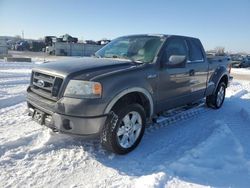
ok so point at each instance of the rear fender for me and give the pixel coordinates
(219, 74)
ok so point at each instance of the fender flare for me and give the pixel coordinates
(218, 81)
(127, 91)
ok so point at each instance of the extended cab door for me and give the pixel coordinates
(198, 68)
(174, 80)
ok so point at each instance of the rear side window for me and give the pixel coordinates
(195, 53)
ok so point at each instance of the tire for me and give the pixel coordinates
(216, 100)
(124, 129)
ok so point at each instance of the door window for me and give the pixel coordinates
(175, 46)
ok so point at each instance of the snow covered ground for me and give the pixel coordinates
(197, 147)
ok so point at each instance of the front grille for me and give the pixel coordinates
(45, 85)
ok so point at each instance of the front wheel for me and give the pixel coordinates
(123, 131)
(216, 100)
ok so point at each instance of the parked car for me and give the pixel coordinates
(239, 61)
(246, 62)
(236, 64)
(22, 46)
(129, 82)
(90, 42)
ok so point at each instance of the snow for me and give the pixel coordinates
(241, 70)
(195, 147)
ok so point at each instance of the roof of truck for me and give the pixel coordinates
(161, 35)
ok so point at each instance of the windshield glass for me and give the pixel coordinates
(135, 48)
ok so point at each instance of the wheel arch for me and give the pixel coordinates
(220, 74)
(138, 93)
(223, 77)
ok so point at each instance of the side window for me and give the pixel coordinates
(175, 46)
(195, 53)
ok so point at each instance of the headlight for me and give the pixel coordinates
(83, 89)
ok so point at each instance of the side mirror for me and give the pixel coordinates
(176, 61)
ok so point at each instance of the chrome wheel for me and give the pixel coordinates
(220, 96)
(129, 129)
(124, 128)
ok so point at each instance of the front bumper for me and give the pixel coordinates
(85, 126)
(69, 121)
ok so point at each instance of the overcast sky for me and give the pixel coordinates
(216, 22)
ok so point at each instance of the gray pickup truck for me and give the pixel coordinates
(128, 82)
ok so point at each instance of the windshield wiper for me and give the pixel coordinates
(97, 56)
(131, 59)
(124, 57)
(119, 57)
(138, 61)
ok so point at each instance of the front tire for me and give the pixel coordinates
(124, 129)
(216, 100)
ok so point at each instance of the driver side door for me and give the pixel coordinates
(174, 80)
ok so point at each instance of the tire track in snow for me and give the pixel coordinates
(181, 126)
(19, 142)
(238, 119)
(12, 109)
(4, 76)
(12, 90)
(16, 81)
(13, 100)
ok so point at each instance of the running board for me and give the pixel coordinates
(174, 114)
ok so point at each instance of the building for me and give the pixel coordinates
(75, 49)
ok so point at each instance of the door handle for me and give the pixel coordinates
(191, 72)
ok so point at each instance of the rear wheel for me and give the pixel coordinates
(123, 131)
(216, 100)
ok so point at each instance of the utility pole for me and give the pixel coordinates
(22, 34)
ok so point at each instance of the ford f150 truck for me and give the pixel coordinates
(128, 82)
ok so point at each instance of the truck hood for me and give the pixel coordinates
(87, 65)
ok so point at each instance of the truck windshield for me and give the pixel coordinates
(135, 48)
